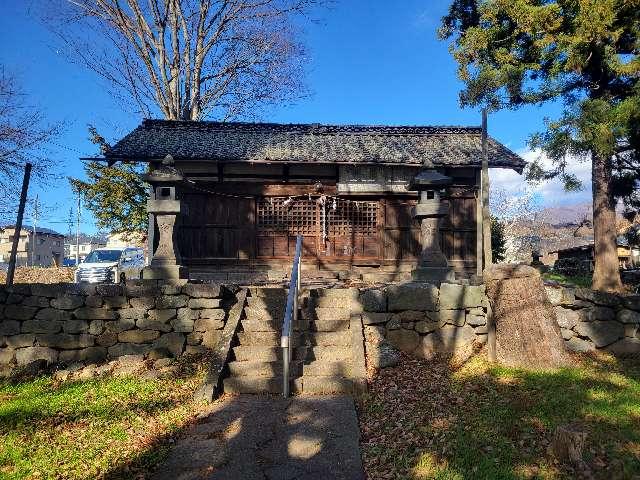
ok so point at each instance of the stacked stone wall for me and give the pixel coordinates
(590, 320)
(70, 323)
(422, 320)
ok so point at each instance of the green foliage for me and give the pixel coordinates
(89, 429)
(584, 53)
(498, 240)
(578, 281)
(116, 195)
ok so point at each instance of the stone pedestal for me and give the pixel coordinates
(166, 259)
(165, 207)
(432, 266)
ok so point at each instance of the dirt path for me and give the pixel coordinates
(251, 437)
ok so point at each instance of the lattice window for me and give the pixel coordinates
(298, 217)
(352, 217)
(276, 216)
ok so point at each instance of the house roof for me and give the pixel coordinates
(312, 143)
(621, 241)
(39, 230)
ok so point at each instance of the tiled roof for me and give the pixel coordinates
(39, 230)
(313, 143)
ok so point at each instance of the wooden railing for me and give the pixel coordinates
(290, 316)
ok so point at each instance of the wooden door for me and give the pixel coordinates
(216, 227)
(458, 229)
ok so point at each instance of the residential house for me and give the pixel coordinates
(47, 251)
(84, 249)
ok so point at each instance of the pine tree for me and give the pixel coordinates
(583, 53)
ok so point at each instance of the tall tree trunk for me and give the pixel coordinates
(606, 275)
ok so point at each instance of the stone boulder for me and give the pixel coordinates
(566, 317)
(597, 297)
(25, 356)
(412, 296)
(601, 333)
(625, 347)
(577, 344)
(404, 340)
(455, 297)
(374, 318)
(628, 316)
(373, 300)
(449, 339)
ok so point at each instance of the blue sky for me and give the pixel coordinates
(369, 63)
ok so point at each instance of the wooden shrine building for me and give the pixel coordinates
(237, 194)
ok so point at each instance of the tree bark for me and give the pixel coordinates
(606, 275)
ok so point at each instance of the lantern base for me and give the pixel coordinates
(162, 272)
(433, 274)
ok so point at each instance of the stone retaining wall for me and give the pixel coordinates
(422, 320)
(68, 323)
(591, 320)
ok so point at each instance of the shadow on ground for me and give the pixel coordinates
(261, 437)
(429, 420)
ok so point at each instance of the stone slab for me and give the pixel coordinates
(303, 437)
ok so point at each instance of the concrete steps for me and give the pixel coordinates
(322, 351)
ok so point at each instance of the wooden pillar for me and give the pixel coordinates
(486, 217)
(479, 232)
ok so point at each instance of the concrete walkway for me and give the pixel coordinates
(251, 437)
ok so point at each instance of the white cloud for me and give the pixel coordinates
(550, 193)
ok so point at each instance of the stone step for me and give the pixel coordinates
(267, 302)
(264, 314)
(329, 325)
(249, 325)
(340, 338)
(323, 385)
(325, 368)
(329, 302)
(263, 369)
(330, 353)
(271, 339)
(267, 354)
(326, 313)
(336, 293)
(268, 292)
(253, 384)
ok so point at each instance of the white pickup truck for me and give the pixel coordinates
(111, 265)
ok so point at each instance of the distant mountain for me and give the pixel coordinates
(567, 214)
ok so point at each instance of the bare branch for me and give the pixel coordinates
(190, 58)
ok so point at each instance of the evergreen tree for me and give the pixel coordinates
(583, 53)
(116, 195)
(498, 240)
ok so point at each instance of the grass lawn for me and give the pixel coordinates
(579, 281)
(111, 427)
(428, 420)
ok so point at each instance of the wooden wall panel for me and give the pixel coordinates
(216, 227)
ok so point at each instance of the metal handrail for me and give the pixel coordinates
(290, 315)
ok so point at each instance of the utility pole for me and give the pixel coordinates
(35, 232)
(18, 225)
(78, 231)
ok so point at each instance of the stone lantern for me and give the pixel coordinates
(433, 265)
(165, 207)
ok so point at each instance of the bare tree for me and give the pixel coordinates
(523, 221)
(189, 59)
(24, 136)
